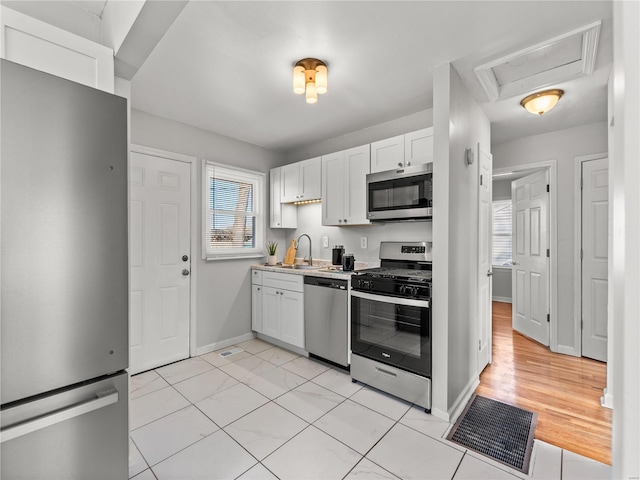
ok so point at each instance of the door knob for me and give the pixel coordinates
(185, 272)
(185, 258)
(489, 273)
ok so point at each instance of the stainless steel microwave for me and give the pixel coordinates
(400, 194)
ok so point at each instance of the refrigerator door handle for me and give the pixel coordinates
(98, 401)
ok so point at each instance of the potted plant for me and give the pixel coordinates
(272, 247)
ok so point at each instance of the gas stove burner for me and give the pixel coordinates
(397, 273)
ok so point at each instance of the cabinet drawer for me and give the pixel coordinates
(284, 281)
(256, 277)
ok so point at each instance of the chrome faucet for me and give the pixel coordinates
(298, 245)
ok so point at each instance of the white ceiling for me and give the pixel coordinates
(226, 66)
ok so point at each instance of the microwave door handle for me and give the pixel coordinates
(409, 302)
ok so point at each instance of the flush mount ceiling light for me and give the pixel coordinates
(541, 102)
(310, 77)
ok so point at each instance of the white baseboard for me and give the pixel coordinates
(607, 399)
(224, 343)
(462, 400)
(281, 344)
(502, 299)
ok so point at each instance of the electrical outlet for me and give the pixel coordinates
(363, 242)
(325, 242)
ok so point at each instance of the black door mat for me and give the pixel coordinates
(497, 430)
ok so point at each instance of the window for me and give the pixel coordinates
(502, 233)
(233, 224)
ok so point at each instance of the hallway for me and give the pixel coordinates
(563, 390)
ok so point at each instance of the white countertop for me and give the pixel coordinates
(322, 271)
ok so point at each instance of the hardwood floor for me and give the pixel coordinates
(564, 391)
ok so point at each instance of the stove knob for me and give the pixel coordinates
(414, 291)
(403, 289)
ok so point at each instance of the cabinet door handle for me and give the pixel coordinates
(408, 163)
(400, 164)
(345, 220)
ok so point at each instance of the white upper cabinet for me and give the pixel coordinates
(282, 215)
(301, 181)
(418, 147)
(387, 154)
(333, 188)
(406, 150)
(38, 45)
(344, 187)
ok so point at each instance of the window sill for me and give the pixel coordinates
(234, 257)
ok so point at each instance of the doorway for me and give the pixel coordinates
(160, 263)
(542, 311)
(592, 254)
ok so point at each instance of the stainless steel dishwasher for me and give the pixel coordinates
(326, 319)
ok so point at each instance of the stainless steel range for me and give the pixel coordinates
(391, 322)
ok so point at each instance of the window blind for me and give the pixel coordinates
(501, 233)
(233, 224)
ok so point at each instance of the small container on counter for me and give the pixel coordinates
(336, 256)
(348, 262)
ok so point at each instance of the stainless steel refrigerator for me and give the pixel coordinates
(64, 287)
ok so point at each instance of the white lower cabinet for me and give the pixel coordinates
(256, 308)
(278, 307)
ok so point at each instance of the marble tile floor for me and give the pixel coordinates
(266, 413)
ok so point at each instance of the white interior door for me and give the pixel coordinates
(485, 166)
(530, 273)
(595, 228)
(159, 260)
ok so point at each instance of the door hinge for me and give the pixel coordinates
(581, 254)
(548, 253)
(581, 324)
(479, 345)
(548, 318)
(581, 183)
(480, 179)
(547, 187)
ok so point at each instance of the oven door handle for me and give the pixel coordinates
(409, 302)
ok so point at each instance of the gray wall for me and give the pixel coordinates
(562, 146)
(223, 295)
(455, 240)
(310, 222)
(401, 125)
(501, 188)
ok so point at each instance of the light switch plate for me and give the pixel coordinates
(325, 241)
(363, 242)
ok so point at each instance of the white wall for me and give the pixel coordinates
(223, 295)
(409, 123)
(459, 123)
(562, 146)
(625, 262)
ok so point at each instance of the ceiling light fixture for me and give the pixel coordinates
(310, 77)
(541, 102)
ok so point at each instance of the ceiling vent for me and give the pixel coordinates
(561, 58)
